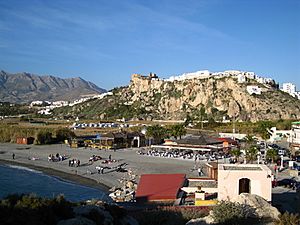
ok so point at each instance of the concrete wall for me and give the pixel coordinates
(228, 181)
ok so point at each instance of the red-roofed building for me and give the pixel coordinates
(159, 187)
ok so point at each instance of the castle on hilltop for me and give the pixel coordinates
(241, 76)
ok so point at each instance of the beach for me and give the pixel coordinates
(36, 157)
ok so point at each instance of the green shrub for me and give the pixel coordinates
(231, 213)
(64, 134)
(44, 137)
(170, 215)
(288, 219)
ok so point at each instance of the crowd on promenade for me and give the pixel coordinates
(187, 154)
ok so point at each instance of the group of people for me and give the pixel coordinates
(56, 157)
(94, 158)
(100, 169)
(180, 154)
(74, 162)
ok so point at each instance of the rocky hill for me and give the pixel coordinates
(211, 97)
(26, 87)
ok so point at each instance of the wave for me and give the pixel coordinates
(24, 168)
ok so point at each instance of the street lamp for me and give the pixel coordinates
(281, 162)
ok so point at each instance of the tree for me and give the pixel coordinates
(249, 139)
(157, 132)
(236, 153)
(177, 130)
(272, 154)
(263, 127)
(64, 134)
(187, 120)
(201, 114)
(251, 153)
(44, 137)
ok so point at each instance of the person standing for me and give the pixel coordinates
(13, 155)
(199, 172)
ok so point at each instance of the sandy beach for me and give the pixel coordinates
(87, 173)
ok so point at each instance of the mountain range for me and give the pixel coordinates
(27, 87)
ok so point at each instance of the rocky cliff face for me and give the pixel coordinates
(26, 87)
(212, 96)
(152, 98)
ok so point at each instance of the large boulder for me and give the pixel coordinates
(76, 221)
(201, 221)
(263, 209)
(128, 220)
(88, 210)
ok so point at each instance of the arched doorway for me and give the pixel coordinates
(244, 185)
(135, 143)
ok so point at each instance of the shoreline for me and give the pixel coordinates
(77, 179)
(87, 173)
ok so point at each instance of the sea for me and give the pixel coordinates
(19, 179)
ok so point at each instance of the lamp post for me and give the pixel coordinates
(281, 162)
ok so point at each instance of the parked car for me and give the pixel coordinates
(288, 182)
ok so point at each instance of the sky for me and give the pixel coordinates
(106, 41)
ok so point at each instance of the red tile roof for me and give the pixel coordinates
(159, 187)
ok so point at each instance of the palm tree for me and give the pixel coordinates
(251, 153)
(177, 130)
(249, 139)
(236, 153)
(272, 154)
(157, 132)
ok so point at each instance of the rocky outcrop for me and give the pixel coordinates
(26, 87)
(254, 206)
(100, 213)
(218, 96)
(263, 209)
(76, 221)
(126, 190)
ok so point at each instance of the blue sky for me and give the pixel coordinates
(106, 41)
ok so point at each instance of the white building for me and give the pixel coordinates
(45, 111)
(36, 103)
(241, 78)
(198, 75)
(235, 179)
(278, 135)
(60, 103)
(250, 75)
(294, 138)
(289, 88)
(252, 89)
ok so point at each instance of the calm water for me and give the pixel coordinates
(18, 179)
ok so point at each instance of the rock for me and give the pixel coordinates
(85, 210)
(261, 206)
(130, 184)
(76, 221)
(113, 189)
(201, 221)
(128, 220)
